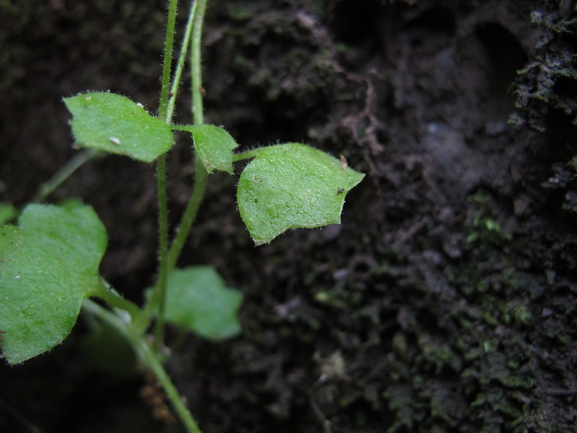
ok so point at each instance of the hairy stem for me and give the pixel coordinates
(167, 61)
(200, 181)
(200, 174)
(195, 60)
(162, 249)
(161, 177)
(181, 59)
(154, 300)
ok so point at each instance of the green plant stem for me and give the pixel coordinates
(162, 250)
(148, 358)
(200, 173)
(196, 62)
(111, 296)
(64, 173)
(81, 158)
(200, 181)
(109, 317)
(181, 59)
(151, 361)
(152, 303)
(161, 177)
(167, 61)
(245, 155)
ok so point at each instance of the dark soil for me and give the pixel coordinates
(444, 302)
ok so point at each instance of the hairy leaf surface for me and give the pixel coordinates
(290, 186)
(116, 124)
(214, 145)
(48, 265)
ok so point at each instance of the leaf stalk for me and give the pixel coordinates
(111, 296)
(245, 155)
(196, 63)
(200, 173)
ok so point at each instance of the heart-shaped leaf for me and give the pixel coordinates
(197, 299)
(48, 265)
(290, 186)
(214, 145)
(116, 124)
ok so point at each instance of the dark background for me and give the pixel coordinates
(443, 303)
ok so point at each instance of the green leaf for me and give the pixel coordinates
(7, 212)
(198, 299)
(118, 125)
(71, 203)
(214, 145)
(48, 265)
(290, 186)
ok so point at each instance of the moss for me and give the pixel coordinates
(548, 84)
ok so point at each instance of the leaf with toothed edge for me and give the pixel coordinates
(48, 266)
(291, 186)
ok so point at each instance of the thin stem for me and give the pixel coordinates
(148, 358)
(200, 181)
(111, 296)
(155, 299)
(200, 174)
(181, 60)
(245, 155)
(64, 173)
(152, 303)
(161, 177)
(195, 60)
(109, 317)
(162, 249)
(167, 62)
(151, 361)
